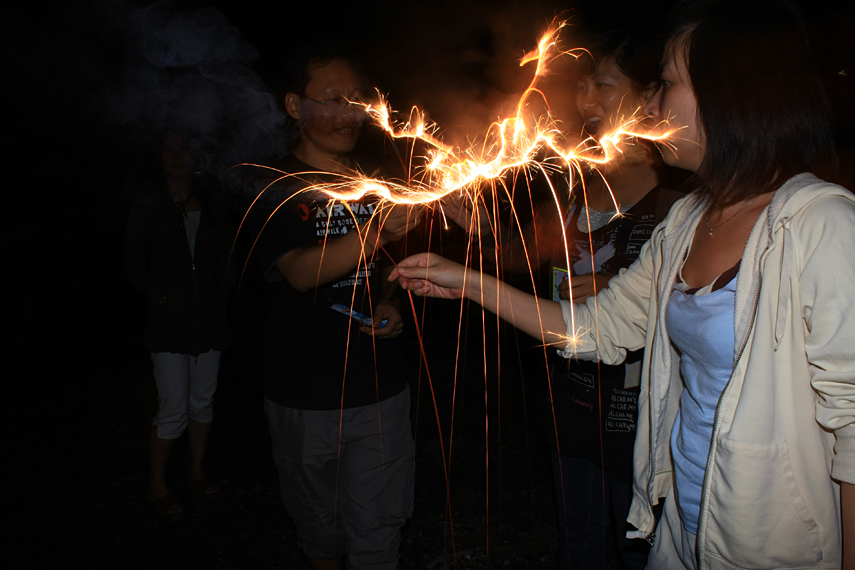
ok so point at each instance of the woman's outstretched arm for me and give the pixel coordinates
(430, 275)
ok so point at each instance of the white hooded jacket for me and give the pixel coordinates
(784, 429)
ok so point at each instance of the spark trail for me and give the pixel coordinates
(511, 145)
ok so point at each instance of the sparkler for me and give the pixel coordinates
(511, 145)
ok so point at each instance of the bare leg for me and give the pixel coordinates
(203, 383)
(159, 451)
(325, 563)
(197, 433)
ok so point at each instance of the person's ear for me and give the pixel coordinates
(292, 105)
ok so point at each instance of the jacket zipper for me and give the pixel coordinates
(651, 536)
(716, 419)
(192, 260)
(192, 270)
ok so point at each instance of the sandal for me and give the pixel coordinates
(166, 506)
(204, 487)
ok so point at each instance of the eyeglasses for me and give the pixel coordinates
(338, 105)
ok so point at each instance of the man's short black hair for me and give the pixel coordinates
(298, 73)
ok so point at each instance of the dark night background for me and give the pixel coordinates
(79, 392)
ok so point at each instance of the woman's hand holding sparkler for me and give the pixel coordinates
(431, 275)
(583, 286)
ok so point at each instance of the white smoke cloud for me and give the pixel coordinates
(187, 70)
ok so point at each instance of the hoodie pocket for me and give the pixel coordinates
(757, 517)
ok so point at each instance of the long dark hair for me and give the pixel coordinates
(762, 106)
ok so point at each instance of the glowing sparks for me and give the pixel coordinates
(572, 341)
(511, 143)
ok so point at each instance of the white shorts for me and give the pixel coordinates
(185, 390)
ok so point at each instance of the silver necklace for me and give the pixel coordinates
(714, 228)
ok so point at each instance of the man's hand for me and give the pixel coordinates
(583, 286)
(308, 267)
(457, 207)
(393, 222)
(394, 322)
(430, 275)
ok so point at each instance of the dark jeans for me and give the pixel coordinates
(585, 512)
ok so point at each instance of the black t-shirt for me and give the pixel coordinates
(312, 357)
(595, 410)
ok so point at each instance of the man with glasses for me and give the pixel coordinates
(321, 105)
(336, 397)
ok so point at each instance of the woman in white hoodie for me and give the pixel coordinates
(741, 300)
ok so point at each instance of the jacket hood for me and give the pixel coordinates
(795, 194)
(788, 200)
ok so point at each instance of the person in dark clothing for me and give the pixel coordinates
(335, 395)
(590, 415)
(177, 245)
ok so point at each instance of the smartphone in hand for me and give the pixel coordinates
(359, 317)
